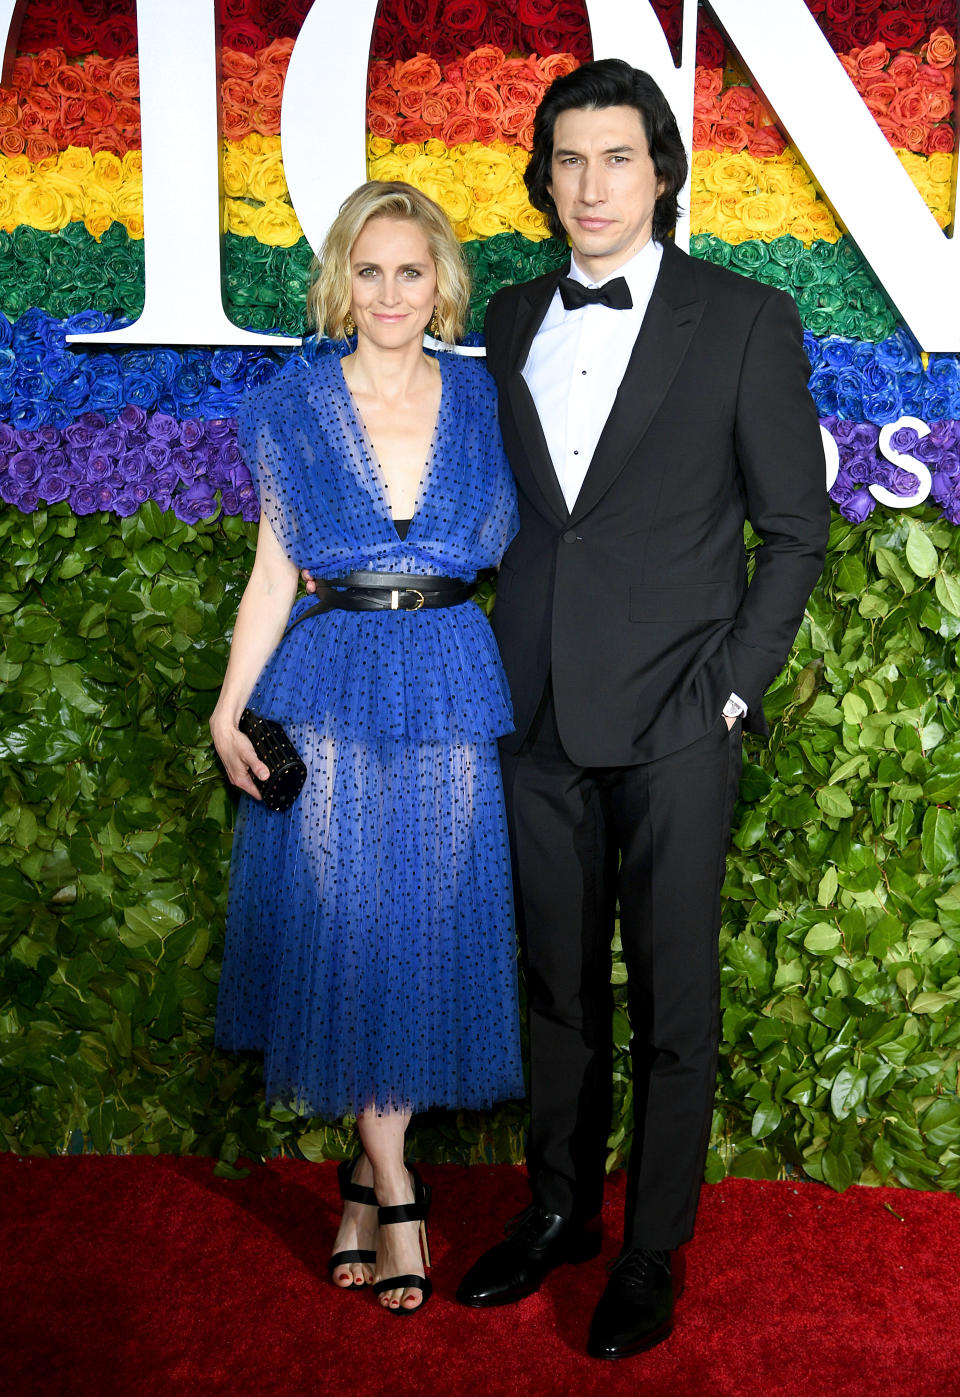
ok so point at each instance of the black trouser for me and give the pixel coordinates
(652, 838)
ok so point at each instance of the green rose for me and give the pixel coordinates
(786, 250)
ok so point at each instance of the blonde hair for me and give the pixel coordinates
(329, 294)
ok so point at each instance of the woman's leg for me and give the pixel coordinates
(398, 1246)
(358, 1232)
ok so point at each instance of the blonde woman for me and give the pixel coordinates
(370, 942)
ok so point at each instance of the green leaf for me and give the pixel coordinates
(827, 887)
(834, 801)
(848, 1091)
(822, 939)
(947, 587)
(937, 842)
(920, 552)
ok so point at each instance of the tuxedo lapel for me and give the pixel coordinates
(532, 307)
(668, 327)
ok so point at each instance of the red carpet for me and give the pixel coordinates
(150, 1276)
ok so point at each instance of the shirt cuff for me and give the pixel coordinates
(734, 707)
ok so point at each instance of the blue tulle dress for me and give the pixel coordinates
(370, 947)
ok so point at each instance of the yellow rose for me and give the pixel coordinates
(408, 150)
(388, 167)
(731, 230)
(822, 220)
(75, 164)
(943, 217)
(134, 225)
(276, 224)
(448, 193)
(803, 229)
(487, 220)
(702, 161)
(764, 215)
(133, 164)
(17, 171)
(487, 168)
(128, 200)
(940, 168)
(44, 207)
(96, 224)
(108, 170)
(519, 158)
(531, 223)
(267, 180)
(732, 172)
(435, 149)
(703, 209)
(377, 146)
(236, 170)
(238, 218)
(8, 212)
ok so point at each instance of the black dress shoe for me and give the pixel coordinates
(636, 1309)
(538, 1242)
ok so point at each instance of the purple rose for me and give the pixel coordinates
(190, 506)
(184, 464)
(83, 500)
(134, 465)
(53, 487)
(132, 418)
(903, 482)
(858, 507)
(125, 503)
(191, 432)
(29, 500)
(229, 501)
(10, 488)
(905, 439)
(219, 429)
(8, 438)
(81, 434)
(944, 433)
(157, 453)
(71, 472)
(99, 467)
(163, 427)
(111, 441)
(25, 467)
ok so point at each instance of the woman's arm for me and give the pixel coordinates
(264, 608)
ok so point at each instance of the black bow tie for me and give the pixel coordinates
(615, 294)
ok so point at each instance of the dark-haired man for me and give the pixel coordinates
(649, 405)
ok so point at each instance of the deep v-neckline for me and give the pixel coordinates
(367, 444)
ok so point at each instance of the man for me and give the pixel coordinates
(644, 422)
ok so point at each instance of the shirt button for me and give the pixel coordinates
(570, 536)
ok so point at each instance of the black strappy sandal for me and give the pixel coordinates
(352, 1193)
(409, 1212)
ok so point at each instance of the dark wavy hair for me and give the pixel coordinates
(610, 82)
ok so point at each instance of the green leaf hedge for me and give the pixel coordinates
(840, 945)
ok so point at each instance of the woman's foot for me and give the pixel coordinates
(398, 1246)
(358, 1232)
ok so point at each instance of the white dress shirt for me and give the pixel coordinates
(575, 367)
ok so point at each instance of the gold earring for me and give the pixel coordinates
(434, 327)
(349, 327)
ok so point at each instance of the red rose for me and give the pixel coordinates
(76, 35)
(841, 12)
(463, 17)
(711, 46)
(574, 34)
(537, 12)
(243, 36)
(862, 30)
(234, 9)
(39, 31)
(900, 30)
(444, 47)
(502, 30)
(117, 37)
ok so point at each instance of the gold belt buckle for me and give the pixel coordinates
(395, 599)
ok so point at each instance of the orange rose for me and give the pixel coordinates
(236, 64)
(9, 114)
(766, 141)
(381, 124)
(892, 131)
(460, 128)
(522, 69)
(488, 130)
(128, 114)
(413, 129)
(702, 133)
(941, 140)
(941, 48)
(915, 135)
(43, 102)
(879, 92)
(939, 104)
(276, 56)
(72, 111)
(523, 92)
(873, 58)
(266, 119)
(11, 141)
(101, 109)
(42, 68)
(40, 147)
(421, 73)
(98, 70)
(235, 123)
(379, 75)
(936, 78)
(267, 86)
(434, 110)
(707, 83)
(69, 82)
(556, 65)
(125, 78)
(411, 101)
(730, 135)
(515, 119)
(485, 101)
(524, 136)
(705, 107)
(739, 103)
(235, 93)
(482, 63)
(848, 61)
(31, 121)
(452, 97)
(909, 107)
(383, 101)
(904, 69)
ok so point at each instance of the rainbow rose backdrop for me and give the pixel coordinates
(127, 528)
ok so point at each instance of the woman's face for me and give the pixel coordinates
(393, 282)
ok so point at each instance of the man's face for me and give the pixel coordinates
(604, 185)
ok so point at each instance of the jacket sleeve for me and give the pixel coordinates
(781, 460)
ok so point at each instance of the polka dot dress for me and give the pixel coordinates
(370, 947)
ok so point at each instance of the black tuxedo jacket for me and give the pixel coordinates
(637, 601)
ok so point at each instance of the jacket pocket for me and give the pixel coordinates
(696, 601)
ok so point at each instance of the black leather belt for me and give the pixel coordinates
(386, 591)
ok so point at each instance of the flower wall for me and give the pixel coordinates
(129, 519)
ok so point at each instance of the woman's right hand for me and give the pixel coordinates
(238, 755)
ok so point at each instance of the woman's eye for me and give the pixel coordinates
(366, 271)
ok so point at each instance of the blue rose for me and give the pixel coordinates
(140, 389)
(883, 405)
(899, 353)
(87, 322)
(227, 364)
(837, 351)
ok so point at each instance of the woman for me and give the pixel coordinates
(370, 944)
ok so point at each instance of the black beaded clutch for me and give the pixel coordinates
(275, 750)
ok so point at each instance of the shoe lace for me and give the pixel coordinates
(635, 1265)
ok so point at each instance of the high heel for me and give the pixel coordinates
(352, 1193)
(409, 1212)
